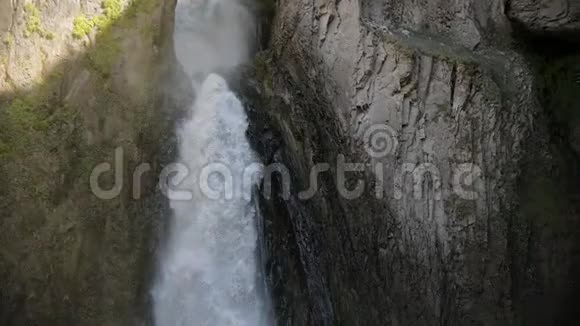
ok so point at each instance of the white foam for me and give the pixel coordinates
(208, 274)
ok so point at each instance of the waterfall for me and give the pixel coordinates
(208, 272)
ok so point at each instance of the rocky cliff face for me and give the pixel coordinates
(469, 212)
(560, 18)
(79, 79)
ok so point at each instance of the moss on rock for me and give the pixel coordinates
(104, 56)
(7, 40)
(34, 24)
(82, 26)
(63, 248)
(115, 14)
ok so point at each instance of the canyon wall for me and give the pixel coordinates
(78, 80)
(475, 220)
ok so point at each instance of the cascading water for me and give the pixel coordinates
(208, 273)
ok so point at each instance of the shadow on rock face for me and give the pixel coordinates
(547, 18)
(66, 256)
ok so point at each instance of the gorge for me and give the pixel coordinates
(469, 210)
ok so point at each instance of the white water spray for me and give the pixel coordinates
(208, 273)
(212, 35)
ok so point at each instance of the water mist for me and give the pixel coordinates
(208, 271)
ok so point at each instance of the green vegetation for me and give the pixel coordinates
(7, 40)
(33, 23)
(35, 120)
(101, 59)
(52, 133)
(32, 121)
(112, 10)
(23, 115)
(103, 56)
(140, 6)
(82, 26)
(114, 15)
(4, 149)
